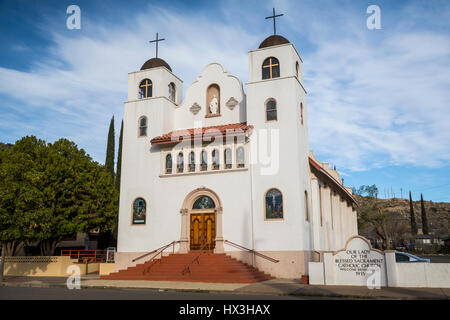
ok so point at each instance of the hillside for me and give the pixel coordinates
(438, 215)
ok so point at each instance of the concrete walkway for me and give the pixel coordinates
(271, 287)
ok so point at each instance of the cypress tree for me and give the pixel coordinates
(109, 162)
(119, 159)
(412, 216)
(424, 216)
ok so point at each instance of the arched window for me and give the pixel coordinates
(169, 163)
(204, 202)
(227, 158)
(192, 161)
(271, 110)
(297, 69)
(301, 113)
(240, 157)
(139, 211)
(145, 88)
(270, 68)
(142, 126)
(215, 159)
(180, 162)
(306, 206)
(172, 91)
(274, 205)
(204, 161)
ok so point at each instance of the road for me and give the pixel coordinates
(25, 293)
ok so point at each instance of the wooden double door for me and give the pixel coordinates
(203, 231)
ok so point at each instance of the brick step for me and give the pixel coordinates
(191, 278)
(211, 268)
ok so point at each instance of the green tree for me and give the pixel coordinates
(21, 198)
(51, 191)
(109, 161)
(424, 216)
(412, 216)
(119, 159)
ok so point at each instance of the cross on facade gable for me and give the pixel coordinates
(274, 16)
(157, 40)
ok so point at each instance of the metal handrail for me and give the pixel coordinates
(253, 251)
(161, 248)
(85, 255)
(187, 268)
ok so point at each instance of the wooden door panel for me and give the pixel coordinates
(202, 230)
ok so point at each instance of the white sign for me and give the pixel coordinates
(359, 264)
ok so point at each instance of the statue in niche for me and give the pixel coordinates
(214, 105)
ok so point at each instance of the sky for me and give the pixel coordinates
(378, 99)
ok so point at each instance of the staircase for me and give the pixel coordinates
(185, 267)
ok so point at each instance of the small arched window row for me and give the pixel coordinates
(273, 205)
(142, 123)
(145, 89)
(203, 157)
(270, 68)
(139, 214)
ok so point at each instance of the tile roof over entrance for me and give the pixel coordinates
(204, 133)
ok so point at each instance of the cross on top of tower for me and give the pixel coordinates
(157, 40)
(274, 16)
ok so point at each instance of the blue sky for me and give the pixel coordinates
(378, 100)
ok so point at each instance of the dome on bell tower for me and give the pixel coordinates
(273, 40)
(154, 63)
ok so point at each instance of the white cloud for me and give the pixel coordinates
(374, 98)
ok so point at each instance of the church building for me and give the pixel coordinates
(226, 169)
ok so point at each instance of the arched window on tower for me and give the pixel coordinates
(270, 68)
(204, 161)
(271, 110)
(143, 126)
(306, 206)
(180, 162)
(145, 89)
(297, 69)
(169, 163)
(228, 160)
(192, 161)
(172, 92)
(215, 159)
(240, 157)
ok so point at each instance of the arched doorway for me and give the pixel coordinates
(201, 224)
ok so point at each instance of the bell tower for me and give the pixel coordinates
(276, 107)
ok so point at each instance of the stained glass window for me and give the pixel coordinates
(215, 159)
(192, 161)
(204, 202)
(180, 162)
(204, 160)
(139, 211)
(240, 157)
(145, 88)
(274, 204)
(228, 159)
(169, 163)
(271, 110)
(270, 68)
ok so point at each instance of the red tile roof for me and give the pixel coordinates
(227, 130)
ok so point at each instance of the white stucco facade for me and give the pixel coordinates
(276, 156)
